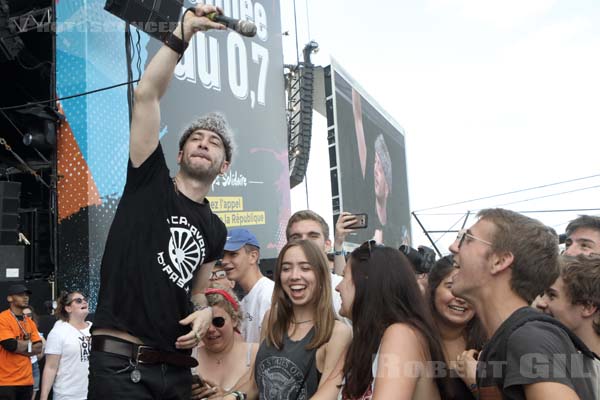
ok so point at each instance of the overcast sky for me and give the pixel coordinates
(494, 96)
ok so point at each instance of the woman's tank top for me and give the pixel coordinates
(287, 374)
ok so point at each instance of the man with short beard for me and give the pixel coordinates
(19, 340)
(161, 246)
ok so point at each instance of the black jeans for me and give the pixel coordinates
(110, 378)
(16, 392)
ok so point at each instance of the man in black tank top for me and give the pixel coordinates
(161, 246)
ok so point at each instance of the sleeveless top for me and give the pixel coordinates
(287, 374)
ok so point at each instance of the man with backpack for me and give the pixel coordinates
(505, 260)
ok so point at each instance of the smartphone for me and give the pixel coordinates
(196, 379)
(362, 220)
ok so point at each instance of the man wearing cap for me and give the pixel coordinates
(242, 255)
(19, 340)
(161, 246)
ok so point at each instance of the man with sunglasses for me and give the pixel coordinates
(19, 340)
(505, 260)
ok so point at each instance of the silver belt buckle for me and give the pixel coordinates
(140, 349)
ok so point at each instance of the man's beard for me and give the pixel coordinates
(200, 172)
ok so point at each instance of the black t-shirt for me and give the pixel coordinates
(534, 351)
(157, 241)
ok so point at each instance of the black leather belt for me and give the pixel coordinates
(140, 353)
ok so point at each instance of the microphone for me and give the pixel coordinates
(241, 26)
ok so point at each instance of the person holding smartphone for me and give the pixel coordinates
(223, 357)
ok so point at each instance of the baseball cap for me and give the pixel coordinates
(17, 289)
(238, 237)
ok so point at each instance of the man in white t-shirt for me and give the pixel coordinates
(240, 261)
(307, 224)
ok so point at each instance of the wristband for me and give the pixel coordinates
(239, 395)
(175, 44)
(339, 252)
(473, 388)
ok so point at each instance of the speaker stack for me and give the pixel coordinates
(12, 256)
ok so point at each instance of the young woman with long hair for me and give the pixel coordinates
(302, 341)
(459, 329)
(395, 348)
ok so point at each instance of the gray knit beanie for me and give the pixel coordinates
(214, 122)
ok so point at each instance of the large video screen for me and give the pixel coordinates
(371, 164)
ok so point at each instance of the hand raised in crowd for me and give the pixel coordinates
(345, 220)
(466, 366)
(200, 321)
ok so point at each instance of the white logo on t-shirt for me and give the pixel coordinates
(186, 251)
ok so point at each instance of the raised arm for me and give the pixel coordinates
(145, 122)
(345, 220)
(360, 133)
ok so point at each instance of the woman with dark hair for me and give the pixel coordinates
(302, 341)
(67, 350)
(394, 336)
(458, 326)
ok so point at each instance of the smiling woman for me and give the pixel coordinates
(67, 350)
(459, 329)
(302, 341)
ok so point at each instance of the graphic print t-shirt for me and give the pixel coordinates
(73, 346)
(158, 239)
(254, 306)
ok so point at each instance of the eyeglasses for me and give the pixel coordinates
(78, 300)
(463, 233)
(220, 274)
(218, 322)
(27, 314)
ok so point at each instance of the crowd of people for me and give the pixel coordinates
(503, 317)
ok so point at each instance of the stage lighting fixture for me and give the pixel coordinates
(34, 139)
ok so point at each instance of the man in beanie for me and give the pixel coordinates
(19, 340)
(161, 246)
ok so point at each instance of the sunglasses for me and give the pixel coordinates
(78, 300)
(464, 233)
(221, 274)
(218, 322)
(367, 248)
